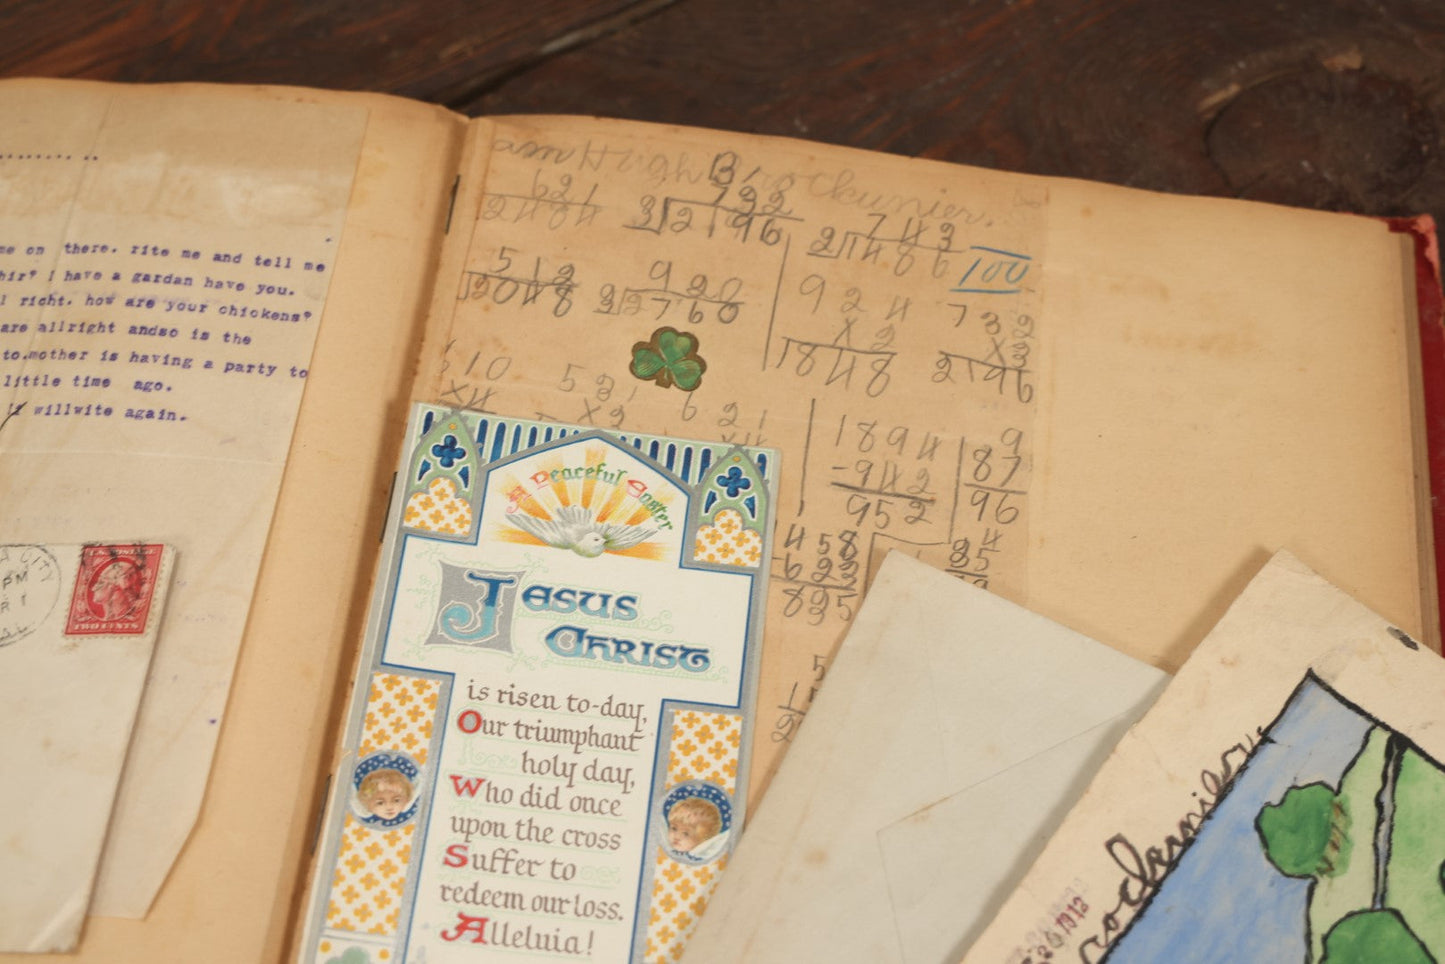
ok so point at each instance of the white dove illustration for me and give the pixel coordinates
(575, 529)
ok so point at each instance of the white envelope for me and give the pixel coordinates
(78, 625)
(952, 734)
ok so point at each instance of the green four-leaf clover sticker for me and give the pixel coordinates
(670, 358)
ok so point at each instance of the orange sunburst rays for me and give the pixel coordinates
(601, 489)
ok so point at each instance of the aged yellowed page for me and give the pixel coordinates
(1224, 376)
(381, 170)
(1107, 404)
(164, 276)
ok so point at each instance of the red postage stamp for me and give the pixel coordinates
(113, 590)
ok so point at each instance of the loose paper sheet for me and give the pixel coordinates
(78, 625)
(162, 274)
(546, 750)
(1042, 386)
(1283, 800)
(952, 733)
(247, 858)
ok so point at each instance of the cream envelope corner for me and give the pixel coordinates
(78, 624)
(944, 705)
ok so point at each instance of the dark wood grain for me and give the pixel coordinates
(1334, 105)
(439, 52)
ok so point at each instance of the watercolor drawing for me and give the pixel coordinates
(1328, 847)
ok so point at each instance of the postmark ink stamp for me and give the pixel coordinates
(29, 590)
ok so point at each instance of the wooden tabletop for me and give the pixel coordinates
(1333, 104)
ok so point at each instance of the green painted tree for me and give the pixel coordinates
(1374, 937)
(1389, 905)
(1306, 834)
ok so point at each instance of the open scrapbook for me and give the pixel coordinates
(218, 306)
